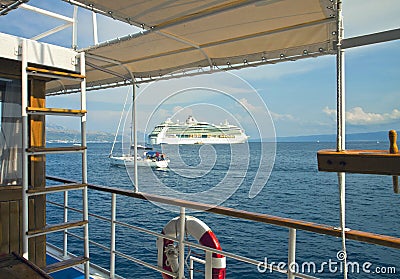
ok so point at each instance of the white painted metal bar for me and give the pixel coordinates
(95, 34)
(341, 131)
(135, 151)
(75, 30)
(90, 241)
(191, 265)
(25, 156)
(208, 267)
(292, 253)
(65, 240)
(84, 164)
(51, 31)
(182, 221)
(46, 13)
(112, 244)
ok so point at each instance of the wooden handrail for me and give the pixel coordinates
(56, 110)
(53, 72)
(361, 236)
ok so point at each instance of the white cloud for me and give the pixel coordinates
(250, 107)
(329, 111)
(281, 117)
(357, 116)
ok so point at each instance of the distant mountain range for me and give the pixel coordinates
(373, 136)
(57, 133)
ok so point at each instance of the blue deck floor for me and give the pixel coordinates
(69, 273)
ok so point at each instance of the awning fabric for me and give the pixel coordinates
(206, 35)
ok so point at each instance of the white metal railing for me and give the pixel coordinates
(291, 224)
(181, 244)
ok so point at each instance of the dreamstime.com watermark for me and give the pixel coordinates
(331, 266)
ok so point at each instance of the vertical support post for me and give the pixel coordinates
(135, 153)
(112, 245)
(182, 221)
(25, 158)
(84, 163)
(75, 28)
(208, 266)
(341, 124)
(292, 253)
(95, 35)
(65, 246)
(191, 266)
(341, 105)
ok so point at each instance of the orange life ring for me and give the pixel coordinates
(202, 233)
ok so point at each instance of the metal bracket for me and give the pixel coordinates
(18, 50)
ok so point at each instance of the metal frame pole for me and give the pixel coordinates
(84, 164)
(25, 142)
(65, 246)
(75, 28)
(112, 244)
(182, 221)
(135, 153)
(292, 254)
(95, 34)
(208, 265)
(341, 125)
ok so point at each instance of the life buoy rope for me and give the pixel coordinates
(202, 233)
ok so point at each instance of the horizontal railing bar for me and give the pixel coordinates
(156, 268)
(367, 237)
(80, 211)
(90, 241)
(197, 260)
(146, 231)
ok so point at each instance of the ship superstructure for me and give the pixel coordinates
(195, 132)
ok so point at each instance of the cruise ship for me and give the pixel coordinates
(196, 132)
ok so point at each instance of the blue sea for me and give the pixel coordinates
(294, 189)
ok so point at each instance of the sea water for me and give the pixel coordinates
(295, 189)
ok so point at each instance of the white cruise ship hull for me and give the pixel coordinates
(176, 140)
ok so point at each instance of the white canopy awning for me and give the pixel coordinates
(206, 35)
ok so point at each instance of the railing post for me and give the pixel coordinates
(25, 142)
(182, 221)
(292, 253)
(191, 267)
(65, 246)
(208, 265)
(112, 245)
(84, 164)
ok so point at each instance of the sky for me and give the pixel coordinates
(299, 96)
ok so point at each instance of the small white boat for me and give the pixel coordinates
(150, 159)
